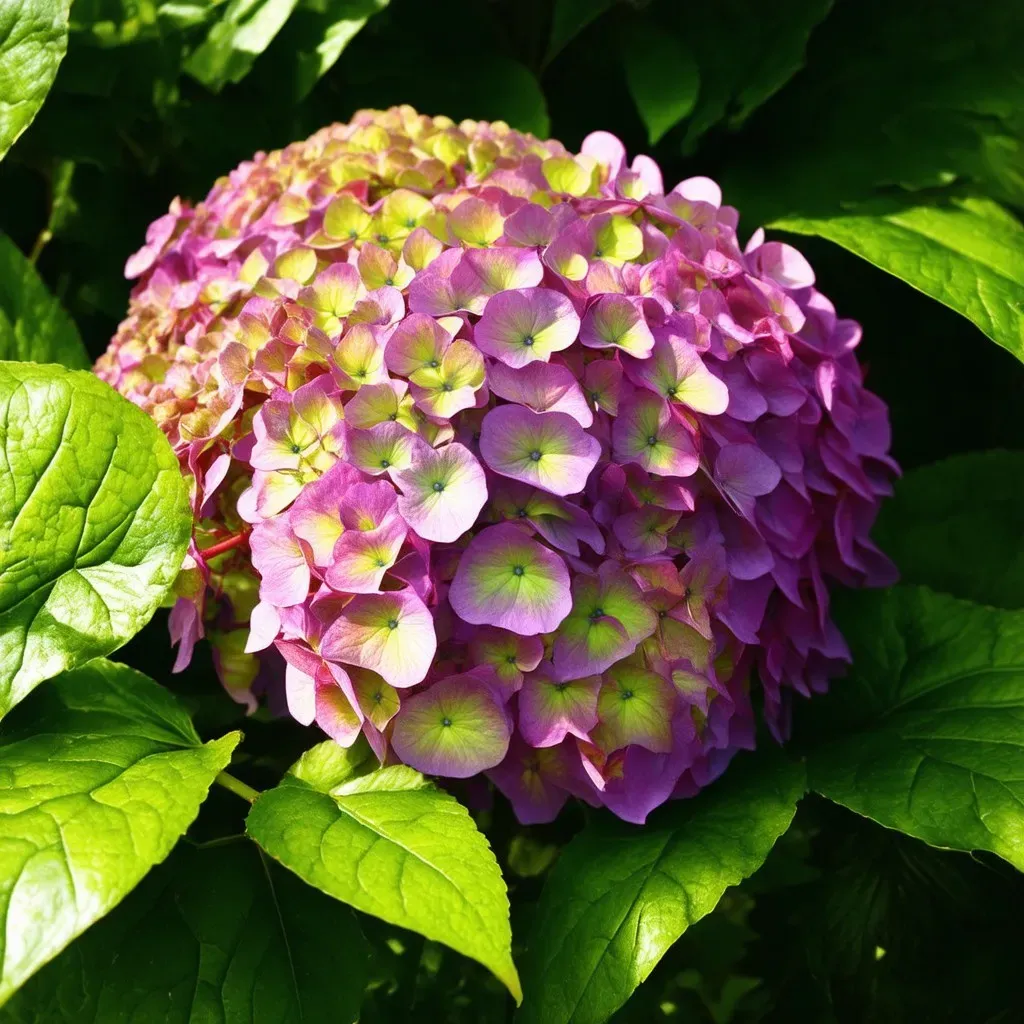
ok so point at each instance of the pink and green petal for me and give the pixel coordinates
(452, 387)
(454, 728)
(644, 532)
(617, 321)
(522, 325)
(387, 402)
(362, 557)
(602, 383)
(302, 667)
(264, 626)
(476, 222)
(391, 634)
(648, 433)
(609, 619)
(549, 450)
(445, 288)
(675, 371)
(334, 713)
(501, 269)
(369, 506)
(359, 358)
(379, 269)
(377, 700)
(542, 387)
(418, 342)
(507, 580)
(332, 296)
(635, 706)
(385, 448)
(509, 654)
(536, 782)
(421, 248)
(551, 709)
(279, 558)
(530, 226)
(443, 492)
(283, 438)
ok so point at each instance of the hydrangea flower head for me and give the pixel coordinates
(504, 457)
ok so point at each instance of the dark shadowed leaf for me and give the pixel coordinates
(317, 34)
(621, 895)
(391, 844)
(217, 933)
(927, 734)
(102, 773)
(912, 95)
(766, 48)
(957, 525)
(662, 75)
(94, 522)
(33, 326)
(569, 18)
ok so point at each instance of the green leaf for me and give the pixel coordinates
(317, 34)
(969, 255)
(94, 522)
(662, 76)
(568, 19)
(218, 933)
(390, 844)
(929, 94)
(927, 734)
(33, 41)
(620, 895)
(956, 526)
(766, 48)
(33, 326)
(245, 30)
(505, 90)
(102, 773)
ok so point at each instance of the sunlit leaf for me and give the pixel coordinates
(102, 773)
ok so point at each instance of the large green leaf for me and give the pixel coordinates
(33, 41)
(662, 76)
(568, 19)
(766, 48)
(391, 844)
(94, 522)
(968, 254)
(621, 895)
(216, 934)
(927, 94)
(33, 326)
(102, 773)
(957, 525)
(927, 734)
(245, 30)
(317, 34)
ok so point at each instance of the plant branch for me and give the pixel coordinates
(237, 786)
(225, 545)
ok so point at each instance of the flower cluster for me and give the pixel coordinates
(505, 458)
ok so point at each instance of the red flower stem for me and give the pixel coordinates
(225, 545)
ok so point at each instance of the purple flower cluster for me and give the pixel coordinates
(503, 457)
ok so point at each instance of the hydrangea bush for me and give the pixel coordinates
(511, 460)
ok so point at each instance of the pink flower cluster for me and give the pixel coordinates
(503, 457)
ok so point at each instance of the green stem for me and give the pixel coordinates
(237, 786)
(42, 238)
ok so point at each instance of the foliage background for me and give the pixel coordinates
(796, 109)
